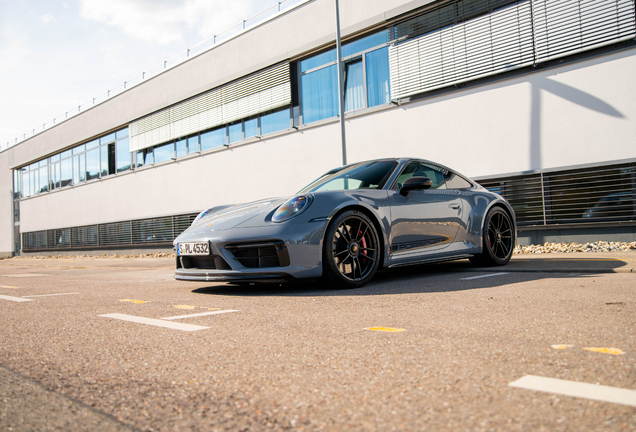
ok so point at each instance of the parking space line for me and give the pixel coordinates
(198, 314)
(485, 276)
(155, 322)
(15, 299)
(8, 286)
(577, 389)
(48, 295)
(386, 329)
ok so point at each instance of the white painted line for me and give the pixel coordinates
(15, 299)
(484, 276)
(155, 322)
(577, 389)
(48, 295)
(198, 315)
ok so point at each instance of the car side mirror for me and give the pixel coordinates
(415, 183)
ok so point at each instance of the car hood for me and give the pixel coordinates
(248, 215)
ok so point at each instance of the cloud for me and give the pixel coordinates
(169, 21)
(47, 18)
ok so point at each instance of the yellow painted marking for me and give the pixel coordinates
(386, 329)
(134, 301)
(614, 351)
(564, 346)
(184, 307)
(8, 286)
(211, 308)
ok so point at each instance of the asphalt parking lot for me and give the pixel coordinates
(119, 345)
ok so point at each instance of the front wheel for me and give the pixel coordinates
(351, 250)
(498, 239)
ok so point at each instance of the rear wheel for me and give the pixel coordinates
(350, 253)
(498, 239)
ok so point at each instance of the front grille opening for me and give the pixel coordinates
(209, 262)
(259, 255)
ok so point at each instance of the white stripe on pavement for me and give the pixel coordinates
(48, 295)
(15, 299)
(577, 389)
(198, 314)
(484, 276)
(155, 322)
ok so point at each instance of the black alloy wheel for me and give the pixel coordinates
(498, 239)
(351, 250)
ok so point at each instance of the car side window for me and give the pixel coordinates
(456, 182)
(419, 169)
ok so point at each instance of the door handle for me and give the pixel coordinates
(454, 206)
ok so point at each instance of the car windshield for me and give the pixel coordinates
(367, 175)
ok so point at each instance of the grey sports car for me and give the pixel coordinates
(349, 223)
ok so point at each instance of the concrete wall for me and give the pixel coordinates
(575, 114)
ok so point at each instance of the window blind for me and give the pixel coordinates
(565, 27)
(513, 36)
(263, 91)
(495, 42)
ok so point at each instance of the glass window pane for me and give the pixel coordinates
(193, 144)
(122, 153)
(66, 154)
(56, 176)
(67, 172)
(354, 86)
(275, 121)
(92, 144)
(112, 163)
(82, 167)
(35, 165)
(121, 133)
(16, 184)
(365, 43)
(318, 60)
(44, 179)
(378, 82)
(107, 139)
(182, 147)
(79, 149)
(104, 160)
(43, 163)
(25, 184)
(55, 158)
(149, 156)
(140, 158)
(236, 132)
(319, 94)
(76, 170)
(164, 152)
(35, 178)
(92, 164)
(251, 127)
(214, 138)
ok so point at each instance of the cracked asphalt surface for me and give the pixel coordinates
(301, 357)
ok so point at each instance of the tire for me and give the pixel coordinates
(498, 239)
(350, 260)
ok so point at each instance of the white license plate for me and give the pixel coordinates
(193, 248)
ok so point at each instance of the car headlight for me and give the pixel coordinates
(200, 215)
(291, 208)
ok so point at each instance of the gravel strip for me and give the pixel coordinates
(599, 246)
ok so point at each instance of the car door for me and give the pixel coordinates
(424, 222)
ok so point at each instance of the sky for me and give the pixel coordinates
(56, 55)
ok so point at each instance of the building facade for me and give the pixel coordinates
(535, 99)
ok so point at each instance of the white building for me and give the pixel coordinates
(535, 99)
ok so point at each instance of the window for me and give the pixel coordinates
(164, 152)
(275, 121)
(122, 155)
(235, 131)
(214, 138)
(251, 127)
(193, 143)
(182, 147)
(319, 78)
(441, 177)
(371, 175)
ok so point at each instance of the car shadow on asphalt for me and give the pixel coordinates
(441, 277)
